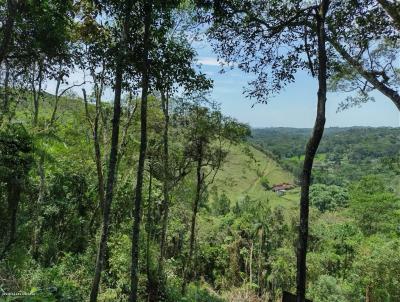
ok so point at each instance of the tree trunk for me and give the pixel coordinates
(164, 103)
(37, 93)
(14, 194)
(110, 183)
(53, 115)
(311, 150)
(142, 153)
(6, 91)
(96, 145)
(7, 29)
(38, 225)
(199, 183)
(149, 227)
(251, 263)
(260, 262)
(165, 205)
(97, 152)
(368, 295)
(112, 164)
(13, 198)
(124, 139)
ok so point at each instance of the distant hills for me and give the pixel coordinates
(287, 142)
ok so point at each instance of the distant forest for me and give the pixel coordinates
(357, 143)
(345, 154)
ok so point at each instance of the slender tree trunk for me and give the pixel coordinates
(42, 189)
(148, 229)
(97, 152)
(14, 194)
(53, 115)
(166, 186)
(251, 263)
(110, 183)
(6, 90)
(260, 265)
(124, 139)
(199, 183)
(368, 295)
(142, 154)
(8, 29)
(13, 198)
(37, 93)
(311, 150)
(112, 164)
(97, 148)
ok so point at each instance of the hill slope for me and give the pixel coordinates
(243, 172)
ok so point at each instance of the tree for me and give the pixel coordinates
(328, 198)
(377, 261)
(42, 46)
(374, 206)
(8, 27)
(170, 65)
(254, 41)
(148, 20)
(174, 70)
(123, 13)
(15, 163)
(207, 132)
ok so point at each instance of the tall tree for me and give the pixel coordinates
(175, 70)
(124, 13)
(7, 28)
(15, 163)
(208, 133)
(252, 34)
(147, 20)
(311, 150)
(42, 44)
(171, 66)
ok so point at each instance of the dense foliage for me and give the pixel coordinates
(345, 154)
(155, 195)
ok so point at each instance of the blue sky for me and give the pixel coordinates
(295, 106)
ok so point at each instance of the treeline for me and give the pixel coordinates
(345, 154)
(356, 143)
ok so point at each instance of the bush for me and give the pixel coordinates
(327, 289)
(328, 198)
(265, 183)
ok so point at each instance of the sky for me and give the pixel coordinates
(295, 106)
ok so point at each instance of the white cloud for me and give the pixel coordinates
(209, 61)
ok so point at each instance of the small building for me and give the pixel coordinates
(281, 189)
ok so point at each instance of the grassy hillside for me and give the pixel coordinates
(243, 172)
(240, 175)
